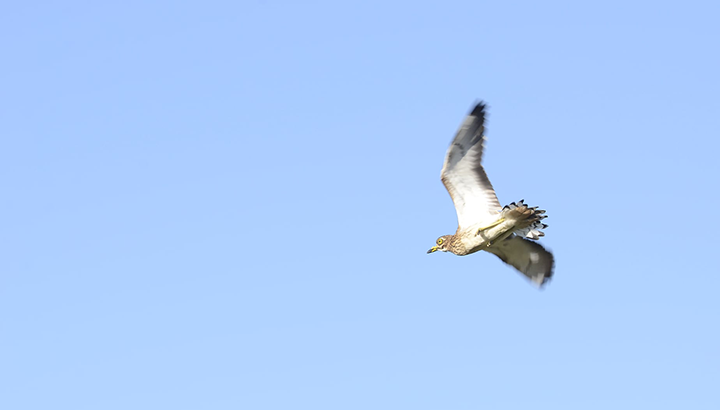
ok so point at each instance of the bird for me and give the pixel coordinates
(509, 231)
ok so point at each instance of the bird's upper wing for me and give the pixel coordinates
(463, 175)
(527, 256)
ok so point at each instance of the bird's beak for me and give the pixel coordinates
(433, 249)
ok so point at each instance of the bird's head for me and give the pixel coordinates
(442, 243)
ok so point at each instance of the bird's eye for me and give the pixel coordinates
(440, 241)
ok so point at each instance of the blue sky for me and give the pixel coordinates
(226, 205)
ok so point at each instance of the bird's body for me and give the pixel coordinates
(475, 238)
(482, 223)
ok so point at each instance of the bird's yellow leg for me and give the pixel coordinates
(494, 224)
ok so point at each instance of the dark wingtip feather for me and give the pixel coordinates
(479, 109)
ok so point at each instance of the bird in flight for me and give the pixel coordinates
(509, 232)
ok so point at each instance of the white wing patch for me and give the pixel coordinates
(464, 176)
(534, 257)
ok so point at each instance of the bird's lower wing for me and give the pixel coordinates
(529, 257)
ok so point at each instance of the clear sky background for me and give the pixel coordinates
(227, 205)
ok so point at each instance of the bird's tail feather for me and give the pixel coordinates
(528, 220)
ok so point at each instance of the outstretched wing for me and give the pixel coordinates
(463, 175)
(527, 256)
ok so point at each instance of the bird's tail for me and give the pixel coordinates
(527, 219)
